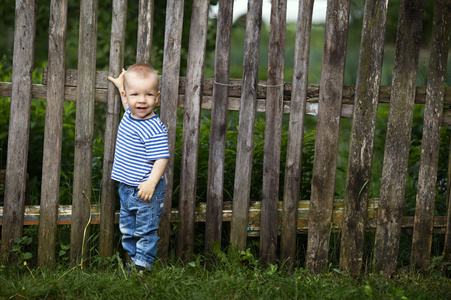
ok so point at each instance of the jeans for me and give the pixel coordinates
(139, 221)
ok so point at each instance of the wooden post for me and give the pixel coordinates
(19, 125)
(84, 130)
(273, 133)
(447, 243)
(113, 111)
(248, 105)
(51, 165)
(362, 136)
(168, 110)
(218, 131)
(326, 147)
(433, 111)
(191, 124)
(145, 31)
(397, 145)
(293, 162)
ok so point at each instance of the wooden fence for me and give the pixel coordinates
(329, 100)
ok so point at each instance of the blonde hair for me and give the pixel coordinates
(142, 70)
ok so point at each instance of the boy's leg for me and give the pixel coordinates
(147, 222)
(127, 219)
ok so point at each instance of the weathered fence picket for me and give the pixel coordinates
(112, 118)
(326, 147)
(362, 136)
(427, 177)
(399, 127)
(145, 31)
(293, 163)
(213, 226)
(19, 124)
(330, 100)
(191, 127)
(447, 243)
(168, 113)
(84, 129)
(273, 133)
(53, 134)
(248, 105)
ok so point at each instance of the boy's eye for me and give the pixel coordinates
(149, 94)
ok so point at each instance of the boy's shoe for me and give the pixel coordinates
(131, 268)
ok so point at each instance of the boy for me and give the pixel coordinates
(139, 161)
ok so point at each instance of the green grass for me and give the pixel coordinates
(233, 277)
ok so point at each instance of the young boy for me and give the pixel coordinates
(139, 162)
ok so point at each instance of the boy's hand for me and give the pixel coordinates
(119, 81)
(146, 190)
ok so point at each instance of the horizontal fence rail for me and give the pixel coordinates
(32, 213)
(39, 91)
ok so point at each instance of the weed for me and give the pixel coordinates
(19, 248)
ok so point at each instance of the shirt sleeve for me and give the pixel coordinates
(157, 146)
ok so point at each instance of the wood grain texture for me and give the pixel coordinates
(191, 125)
(362, 136)
(245, 148)
(433, 111)
(51, 164)
(273, 132)
(298, 107)
(397, 145)
(326, 146)
(218, 130)
(112, 119)
(168, 111)
(145, 31)
(19, 124)
(84, 129)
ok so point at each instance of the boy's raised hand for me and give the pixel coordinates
(119, 81)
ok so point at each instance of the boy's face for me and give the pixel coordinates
(142, 95)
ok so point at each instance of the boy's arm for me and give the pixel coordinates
(147, 188)
(119, 83)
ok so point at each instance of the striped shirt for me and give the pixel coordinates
(139, 143)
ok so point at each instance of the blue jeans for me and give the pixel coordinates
(139, 221)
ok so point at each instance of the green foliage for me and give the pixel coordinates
(19, 246)
(230, 158)
(229, 279)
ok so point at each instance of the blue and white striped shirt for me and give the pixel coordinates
(139, 143)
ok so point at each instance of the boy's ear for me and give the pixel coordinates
(159, 97)
(123, 95)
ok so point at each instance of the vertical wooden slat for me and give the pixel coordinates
(362, 136)
(191, 124)
(168, 110)
(447, 242)
(113, 111)
(248, 104)
(433, 111)
(397, 145)
(273, 133)
(296, 134)
(84, 128)
(51, 165)
(19, 124)
(145, 31)
(213, 225)
(326, 147)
